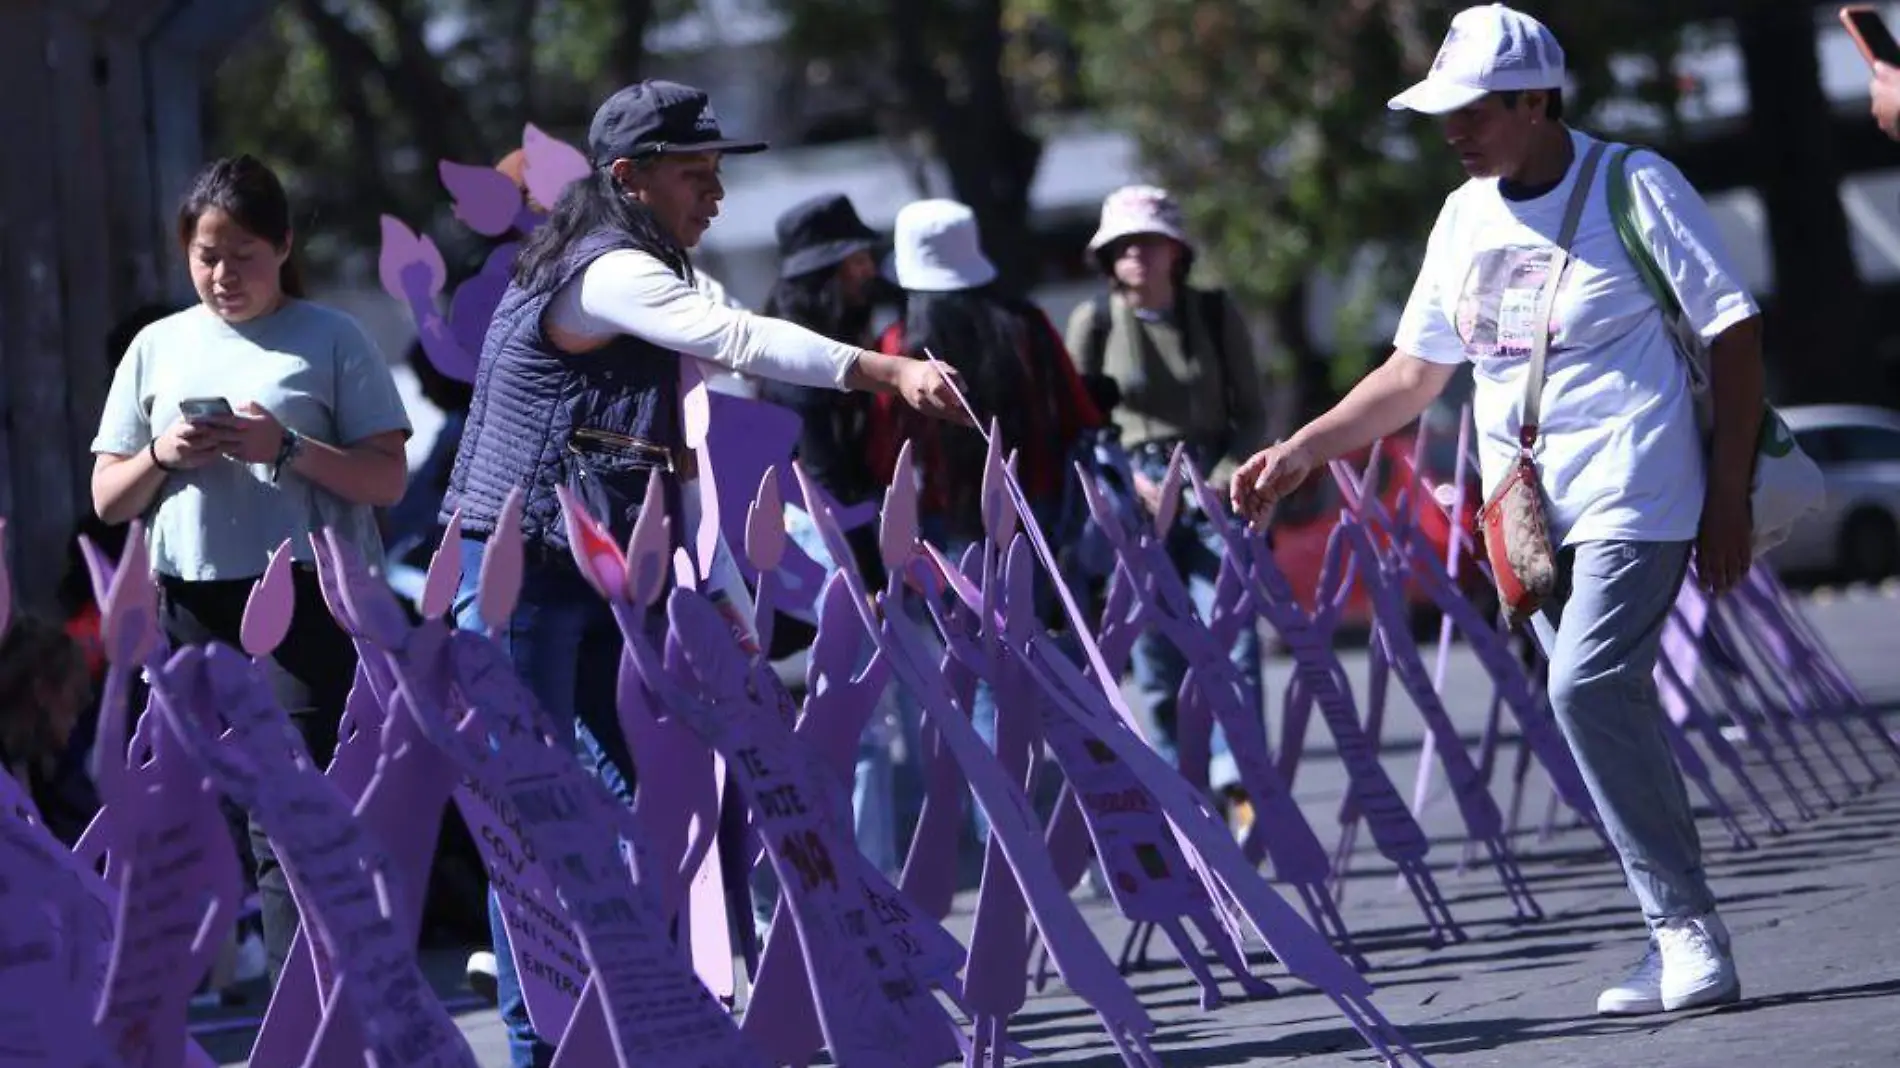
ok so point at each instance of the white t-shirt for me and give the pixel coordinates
(1618, 451)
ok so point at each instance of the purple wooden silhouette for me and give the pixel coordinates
(869, 976)
(1524, 696)
(411, 270)
(1752, 632)
(995, 980)
(178, 890)
(1084, 966)
(1791, 643)
(551, 165)
(1384, 583)
(1686, 712)
(150, 829)
(397, 783)
(1280, 829)
(1394, 830)
(49, 927)
(1097, 702)
(486, 200)
(1149, 877)
(1681, 643)
(219, 709)
(642, 1004)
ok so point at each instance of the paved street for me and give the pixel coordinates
(1812, 913)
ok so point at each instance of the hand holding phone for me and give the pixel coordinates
(1870, 34)
(198, 409)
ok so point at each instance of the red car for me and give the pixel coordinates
(1305, 519)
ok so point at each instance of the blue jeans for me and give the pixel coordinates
(874, 784)
(1602, 635)
(566, 647)
(1196, 549)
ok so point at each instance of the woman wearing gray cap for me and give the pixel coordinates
(578, 385)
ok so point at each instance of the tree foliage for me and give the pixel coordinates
(354, 101)
(963, 81)
(1268, 119)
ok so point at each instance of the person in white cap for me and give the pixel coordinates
(1629, 495)
(1018, 373)
(1185, 368)
(1017, 369)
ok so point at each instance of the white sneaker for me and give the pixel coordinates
(1640, 993)
(480, 972)
(1689, 965)
(1698, 966)
(249, 961)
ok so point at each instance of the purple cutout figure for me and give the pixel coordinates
(48, 928)
(869, 977)
(643, 1006)
(222, 713)
(1523, 695)
(1384, 583)
(1149, 877)
(178, 887)
(1096, 701)
(1395, 831)
(1081, 960)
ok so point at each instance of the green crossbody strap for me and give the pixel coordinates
(1623, 214)
(1773, 437)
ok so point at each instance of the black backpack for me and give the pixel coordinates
(1090, 361)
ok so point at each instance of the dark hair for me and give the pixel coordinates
(1553, 101)
(816, 301)
(1006, 362)
(249, 192)
(119, 339)
(596, 202)
(34, 651)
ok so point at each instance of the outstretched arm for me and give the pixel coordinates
(630, 292)
(1382, 403)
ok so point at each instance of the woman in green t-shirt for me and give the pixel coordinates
(252, 418)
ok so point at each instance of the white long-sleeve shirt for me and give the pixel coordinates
(632, 292)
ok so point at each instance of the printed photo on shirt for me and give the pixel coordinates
(1497, 311)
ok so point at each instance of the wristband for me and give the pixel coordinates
(152, 447)
(293, 444)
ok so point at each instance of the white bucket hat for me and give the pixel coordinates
(1489, 49)
(936, 248)
(1139, 209)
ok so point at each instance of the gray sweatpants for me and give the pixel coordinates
(1602, 635)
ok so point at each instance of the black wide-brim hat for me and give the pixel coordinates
(820, 233)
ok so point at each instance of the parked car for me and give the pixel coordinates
(1304, 520)
(1856, 536)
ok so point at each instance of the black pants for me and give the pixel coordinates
(310, 674)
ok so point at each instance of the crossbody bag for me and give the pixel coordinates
(1515, 521)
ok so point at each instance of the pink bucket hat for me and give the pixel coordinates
(1138, 209)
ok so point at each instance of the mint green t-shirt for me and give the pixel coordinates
(311, 367)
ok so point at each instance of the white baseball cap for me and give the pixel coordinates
(1489, 49)
(936, 249)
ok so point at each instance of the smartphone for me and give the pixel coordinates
(1870, 32)
(196, 408)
